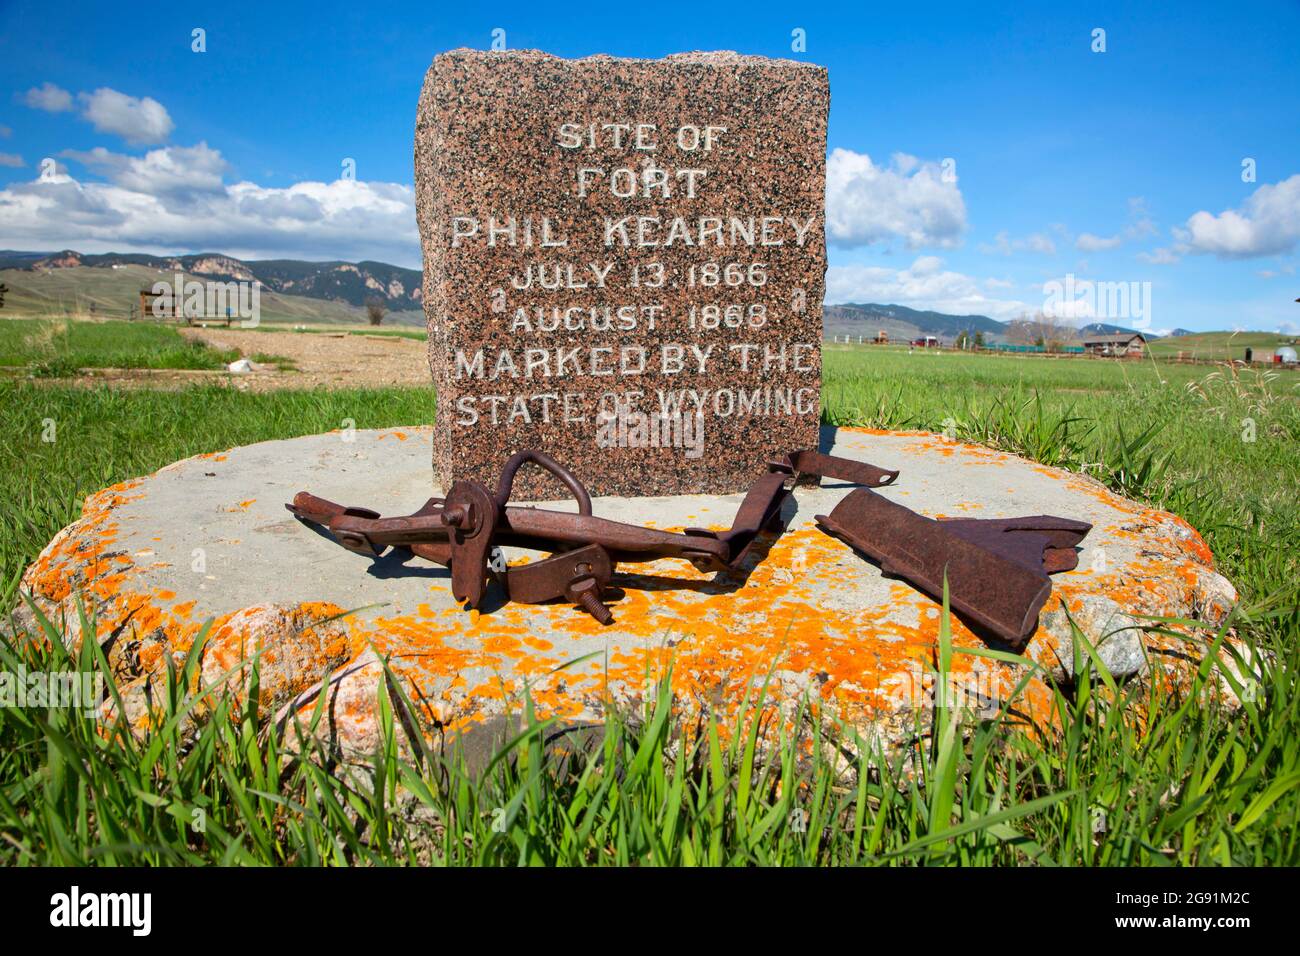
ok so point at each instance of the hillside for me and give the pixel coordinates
(345, 283)
(341, 281)
(1220, 345)
(295, 291)
(902, 323)
(1105, 328)
(107, 292)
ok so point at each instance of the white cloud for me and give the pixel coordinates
(174, 200)
(139, 121)
(1164, 256)
(925, 284)
(1139, 226)
(911, 200)
(48, 97)
(1268, 223)
(1087, 242)
(177, 171)
(11, 159)
(1004, 245)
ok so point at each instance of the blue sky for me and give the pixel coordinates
(1115, 166)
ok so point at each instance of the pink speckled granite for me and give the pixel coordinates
(524, 251)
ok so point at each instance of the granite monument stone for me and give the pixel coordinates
(624, 263)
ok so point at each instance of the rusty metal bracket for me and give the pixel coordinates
(580, 576)
(997, 570)
(470, 514)
(466, 530)
(1016, 536)
(815, 464)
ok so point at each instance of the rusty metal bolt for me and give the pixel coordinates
(593, 606)
(586, 595)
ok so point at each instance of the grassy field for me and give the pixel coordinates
(105, 435)
(1219, 346)
(1131, 779)
(418, 335)
(57, 347)
(86, 291)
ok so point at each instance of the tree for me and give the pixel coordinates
(375, 309)
(3, 289)
(1020, 331)
(979, 340)
(1053, 331)
(1046, 331)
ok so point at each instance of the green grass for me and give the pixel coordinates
(1173, 436)
(873, 365)
(103, 436)
(282, 363)
(52, 348)
(1193, 783)
(419, 335)
(1219, 346)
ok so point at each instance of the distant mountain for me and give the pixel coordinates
(1104, 328)
(902, 324)
(13, 259)
(932, 323)
(347, 285)
(343, 282)
(1179, 333)
(114, 293)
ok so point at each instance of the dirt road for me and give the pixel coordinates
(331, 360)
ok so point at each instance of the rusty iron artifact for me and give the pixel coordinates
(997, 570)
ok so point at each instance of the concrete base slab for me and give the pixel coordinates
(208, 538)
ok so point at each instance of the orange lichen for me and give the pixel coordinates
(722, 637)
(862, 430)
(720, 640)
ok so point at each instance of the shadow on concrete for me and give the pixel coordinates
(393, 564)
(826, 438)
(396, 562)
